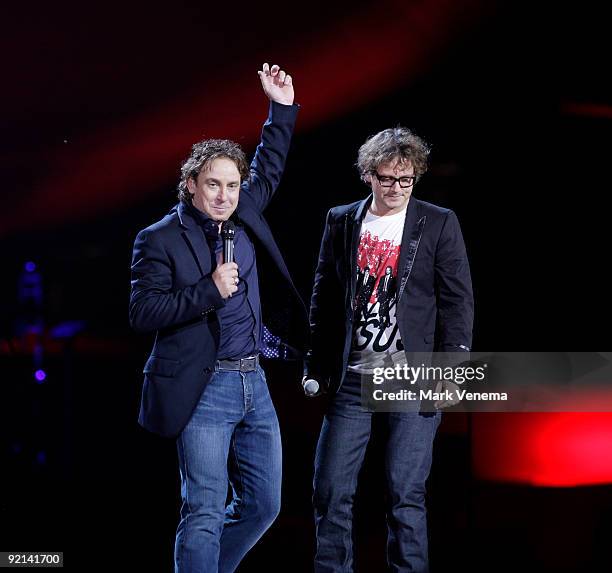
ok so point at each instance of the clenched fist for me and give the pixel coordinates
(226, 279)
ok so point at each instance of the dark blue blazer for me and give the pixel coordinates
(435, 306)
(173, 293)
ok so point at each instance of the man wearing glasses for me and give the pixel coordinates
(421, 298)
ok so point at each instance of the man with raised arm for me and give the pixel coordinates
(203, 382)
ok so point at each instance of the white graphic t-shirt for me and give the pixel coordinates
(376, 338)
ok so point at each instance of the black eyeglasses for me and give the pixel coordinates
(388, 181)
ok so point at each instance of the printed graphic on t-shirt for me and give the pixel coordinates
(376, 337)
(376, 276)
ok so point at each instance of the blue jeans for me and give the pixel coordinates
(232, 437)
(340, 452)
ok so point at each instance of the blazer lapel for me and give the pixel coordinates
(352, 228)
(411, 237)
(194, 237)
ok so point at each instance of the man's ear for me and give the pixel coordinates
(367, 179)
(191, 185)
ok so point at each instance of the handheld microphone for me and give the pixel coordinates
(311, 387)
(228, 232)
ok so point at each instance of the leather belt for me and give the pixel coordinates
(247, 364)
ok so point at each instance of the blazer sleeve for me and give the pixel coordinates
(326, 301)
(154, 303)
(269, 162)
(453, 289)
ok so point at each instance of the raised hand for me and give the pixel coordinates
(277, 84)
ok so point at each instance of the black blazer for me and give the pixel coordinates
(435, 306)
(173, 293)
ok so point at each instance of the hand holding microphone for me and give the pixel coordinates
(226, 279)
(226, 274)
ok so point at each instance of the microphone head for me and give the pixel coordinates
(228, 230)
(311, 387)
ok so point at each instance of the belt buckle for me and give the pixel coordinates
(247, 363)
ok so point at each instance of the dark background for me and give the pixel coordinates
(514, 97)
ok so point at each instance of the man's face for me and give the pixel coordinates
(217, 188)
(391, 200)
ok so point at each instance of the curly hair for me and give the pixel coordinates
(393, 144)
(202, 154)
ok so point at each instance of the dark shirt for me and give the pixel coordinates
(240, 316)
